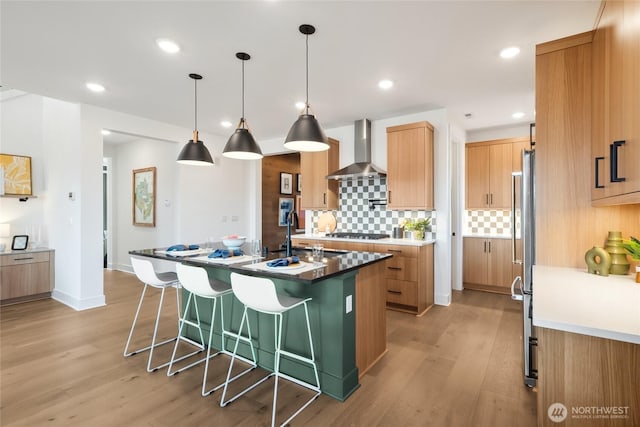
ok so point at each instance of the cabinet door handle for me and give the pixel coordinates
(394, 268)
(324, 198)
(394, 250)
(395, 292)
(613, 151)
(485, 246)
(491, 199)
(598, 172)
(389, 197)
(486, 198)
(22, 259)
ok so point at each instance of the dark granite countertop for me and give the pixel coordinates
(336, 263)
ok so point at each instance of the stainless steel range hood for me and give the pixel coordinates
(362, 147)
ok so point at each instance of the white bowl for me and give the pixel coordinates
(233, 242)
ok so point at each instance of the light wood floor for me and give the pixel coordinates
(456, 366)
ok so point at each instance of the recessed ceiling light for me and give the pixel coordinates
(95, 87)
(518, 115)
(168, 46)
(300, 105)
(105, 132)
(225, 124)
(385, 84)
(509, 52)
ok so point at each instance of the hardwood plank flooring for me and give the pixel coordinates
(455, 366)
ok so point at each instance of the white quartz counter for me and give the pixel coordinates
(572, 300)
(388, 241)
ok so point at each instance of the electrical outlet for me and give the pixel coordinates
(234, 218)
(349, 304)
(224, 218)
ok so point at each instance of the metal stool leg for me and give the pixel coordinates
(200, 346)
(234, 356)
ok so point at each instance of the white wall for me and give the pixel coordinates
(500, 132)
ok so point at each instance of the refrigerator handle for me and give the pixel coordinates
(514, 176)
(515, 296)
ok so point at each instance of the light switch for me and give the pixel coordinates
(349, 304)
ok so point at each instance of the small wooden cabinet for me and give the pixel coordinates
(488, 174)
(26, 276)
(487, 264)
(318, 192)
(615, 107)
(410, 166)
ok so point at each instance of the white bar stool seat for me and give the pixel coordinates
(196, 281)
(259, 294)
(146, 274)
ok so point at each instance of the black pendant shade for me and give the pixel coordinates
(241, 144)
(306, 134)
(194, 152)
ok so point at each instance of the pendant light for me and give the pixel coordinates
(306, 134)
(241, 144)
(194, 152)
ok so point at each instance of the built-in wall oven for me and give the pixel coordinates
(523, 252)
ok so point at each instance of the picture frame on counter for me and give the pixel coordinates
(16, 175)
(286, 183)
(285, 205)
(20, 242)
(144, 197)
(299, 182)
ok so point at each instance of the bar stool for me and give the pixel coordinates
(259, 294)
(196, 281)
(146, 274)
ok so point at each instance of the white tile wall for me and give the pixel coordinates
(489, 223)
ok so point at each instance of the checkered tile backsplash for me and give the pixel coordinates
(359, 212)
(489, 223)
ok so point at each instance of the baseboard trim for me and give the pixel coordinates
(78, 304)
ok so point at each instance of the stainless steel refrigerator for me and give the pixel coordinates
(523, 252)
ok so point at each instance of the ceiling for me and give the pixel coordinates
(438, 53)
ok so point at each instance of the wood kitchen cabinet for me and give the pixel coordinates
(488, 174)
(615, 106)
(410, 166)
(318, 192)
(26, 276)
(487, 264)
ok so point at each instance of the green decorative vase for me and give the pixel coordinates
(619, 262)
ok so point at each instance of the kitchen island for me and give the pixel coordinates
(346, 290)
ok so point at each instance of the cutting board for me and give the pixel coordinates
(327, 220)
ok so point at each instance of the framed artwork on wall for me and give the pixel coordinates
(285, 205)
(144, 197)
(16, 175)
(286, 183)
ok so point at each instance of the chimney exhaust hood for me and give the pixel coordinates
(362, 168)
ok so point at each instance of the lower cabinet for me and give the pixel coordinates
(26, 276)
(487, 264)
(408, 275)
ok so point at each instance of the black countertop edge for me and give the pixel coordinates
(337, 263)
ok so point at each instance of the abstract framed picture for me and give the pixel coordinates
(286, 183)
(16, 175)
(144, 197)
(285, 205)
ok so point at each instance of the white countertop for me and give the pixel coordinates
(388, 241)
(572, 300)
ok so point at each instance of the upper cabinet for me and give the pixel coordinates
(318, 192)
(410, 166)
(488, 172)
(615, 106)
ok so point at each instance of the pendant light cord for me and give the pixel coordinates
(307, 75)
(195, 91)
(242, 117)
